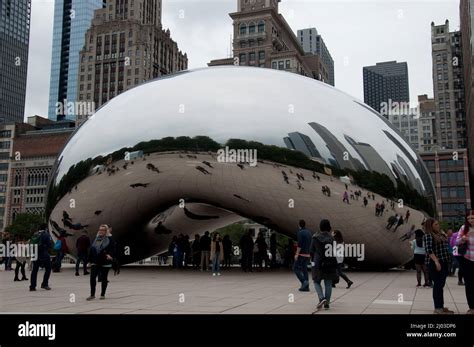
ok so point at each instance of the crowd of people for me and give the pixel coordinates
(437, 254)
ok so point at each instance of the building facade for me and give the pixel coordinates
(7, 132)
(14, 42)
(34, 148)
(448, 86)
(313, 43)
(408, 125)
(124, 47)
(72, 18)
(263, 38)
(450, 174)
(427, 124)
(386, 83)
(467, 23)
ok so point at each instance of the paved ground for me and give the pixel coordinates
(153, 290)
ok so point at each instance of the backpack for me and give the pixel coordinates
(35, 238)
(328, 264)
(57, 245)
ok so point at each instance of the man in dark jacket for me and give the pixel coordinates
(246, 247)
(324, 263)
(43, 259)
(82, 245)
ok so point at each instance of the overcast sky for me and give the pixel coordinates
(357, 33)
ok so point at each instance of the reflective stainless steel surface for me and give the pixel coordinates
(94, 183)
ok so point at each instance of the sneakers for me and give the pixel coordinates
(426, 285)
(46, 287)
(92, 297)
(218, 274)
(321, 303)
(349, 284)
(214, 274)
(326, 306)
(418, 285)
(443, 311)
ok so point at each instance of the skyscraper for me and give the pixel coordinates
(467, 25)
(386, 83)
(72, 18)
(313, 43)
(124, 47)
(448, 86)
(14, 41)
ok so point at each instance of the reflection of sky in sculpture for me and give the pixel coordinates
(244, 103)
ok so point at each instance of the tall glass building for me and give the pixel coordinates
(72, 18)
(14, 41)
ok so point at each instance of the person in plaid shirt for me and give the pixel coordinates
(437, 259)
(466, 236)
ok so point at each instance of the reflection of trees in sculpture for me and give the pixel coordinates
(375, 182)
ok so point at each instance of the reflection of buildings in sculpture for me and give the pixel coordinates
(407, 123)
(302, 143)
(412, 181)
(342, 156)
(371, 158)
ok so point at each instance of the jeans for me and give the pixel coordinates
(46, 262)
(439, 280)
(205, 259)
(468, 272)
(59, 259)
(81, 257)
(300, 268)
(216, 263)
(20, 266)
(327, 290)
(102, 272)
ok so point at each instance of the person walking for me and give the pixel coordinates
(62, 249)
(196, 247)
(365, 201)
(83, 244)
(262, 248)
(437, 259)
(246, 247)
(273, 248)
(101, 257)
(324, 266)
(217, 254)
(227, 244)
(302, 256)
(205, 251)
(43, 240)
(465, 245)
(20, 265)
(419, 254)
(340, 259)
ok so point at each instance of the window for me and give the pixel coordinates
(274, 65)
(243, 29)
(261, 27)
(252, 57)
(287, 65)
(280, 65)
(5, 144)
(6, 133)
(252, 28)
(261, 55)
(242, 58)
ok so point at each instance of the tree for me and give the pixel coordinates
(25, 225)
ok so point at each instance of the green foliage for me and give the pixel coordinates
(235, 232)
(25, 225)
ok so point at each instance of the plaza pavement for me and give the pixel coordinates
(160, 290)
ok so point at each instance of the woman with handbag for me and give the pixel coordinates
(101, 258)
(465, 249)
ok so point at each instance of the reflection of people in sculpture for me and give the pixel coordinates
(203, 170)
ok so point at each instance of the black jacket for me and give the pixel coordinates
(325, 267)
(100, 259)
